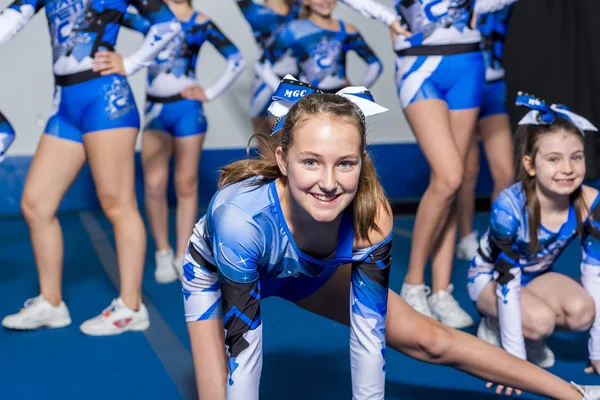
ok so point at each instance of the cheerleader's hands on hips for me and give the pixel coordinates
(397, 29)
(194, 93)
(500, 389)
(108, 63)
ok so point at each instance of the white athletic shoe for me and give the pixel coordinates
(178, 265)
(165, 271)
(588, 392)
(489, 333)
(467, 247)
(539, 353)
(38, 313)
(115, 319)
(416, 297)
(445, 308)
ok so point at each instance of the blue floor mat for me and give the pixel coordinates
(305, 356)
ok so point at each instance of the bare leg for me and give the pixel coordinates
(497, 142)
(157, 147)
(187, 160)
(466, 195)
(462, 125)
(430, 121)
(538, 318)
(573, 306)
(55, 166)
(111, 157)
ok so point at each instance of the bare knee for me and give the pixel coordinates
(538, 322)
(155, 185)
(186, 186)
(446, 184)
(34, 210)
(116, 206)
(580, 312)
(436, 342)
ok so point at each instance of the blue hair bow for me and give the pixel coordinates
(291, 90)
(541, 114)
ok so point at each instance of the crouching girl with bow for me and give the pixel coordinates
(511, 279)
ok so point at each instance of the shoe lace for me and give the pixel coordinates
(418, 295)
(112, 307)
(446, 303)
(30, 302)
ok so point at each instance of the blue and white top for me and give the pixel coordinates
(174, 68)
(245, 237)
(504, 256)
(320, 53)
(441, 27)
(80, 28)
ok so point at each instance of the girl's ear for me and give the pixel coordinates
(281, 160)
(528, 165)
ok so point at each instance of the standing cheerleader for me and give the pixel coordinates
(175, 125)
(493, 127)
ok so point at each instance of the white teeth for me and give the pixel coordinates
(324, 198)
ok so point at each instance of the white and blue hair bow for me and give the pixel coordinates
(290, 90)
(541, 114)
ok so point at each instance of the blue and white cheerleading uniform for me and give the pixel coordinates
(493, 28)
(85, 101)
(242, 251)
(7, 135)
(174, 69)
(265, 22)
(504, 256)
(320, 53)
(442, 59)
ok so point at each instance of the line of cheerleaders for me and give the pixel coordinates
(308, 220)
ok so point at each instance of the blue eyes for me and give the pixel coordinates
(577, 157)
(343, 164)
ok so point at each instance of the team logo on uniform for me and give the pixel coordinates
(118, 98)
(326, 53)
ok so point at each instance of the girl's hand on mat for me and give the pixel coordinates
(108, 63)
(500, 388)
(593, 368)
(194, 93)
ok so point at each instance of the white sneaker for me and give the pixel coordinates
(165, 271)
(416, 297)
(588, 392)
(467, 247)
(539, 353)
(115, 319)
(446, 309)
(38, 313)
(489, 333)
(178, 265)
